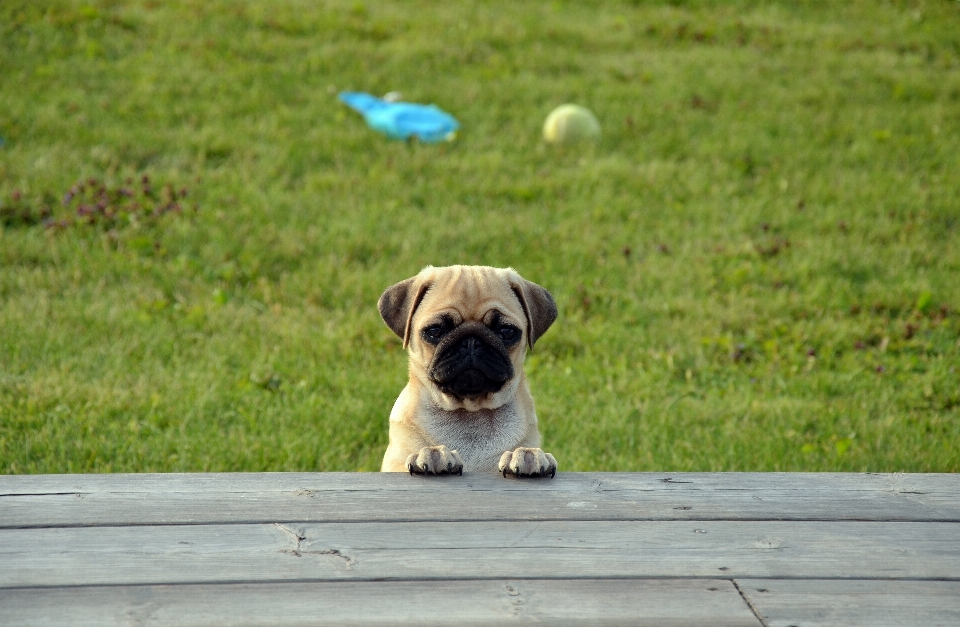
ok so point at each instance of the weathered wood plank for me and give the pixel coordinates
(555, 602)
(78, 500)
(817, 603)
(443, 551)
(576, 481)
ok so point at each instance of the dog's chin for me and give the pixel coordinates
(471, 399)
(471, 384)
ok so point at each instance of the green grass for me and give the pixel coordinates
(757, 268)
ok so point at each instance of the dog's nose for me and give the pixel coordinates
(470, 345)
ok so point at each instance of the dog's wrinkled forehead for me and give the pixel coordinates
(470, 294)
(467, 293)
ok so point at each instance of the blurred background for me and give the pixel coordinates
(756, 266)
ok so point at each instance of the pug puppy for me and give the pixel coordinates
(467, 405)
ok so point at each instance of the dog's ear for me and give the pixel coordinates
(538, 305)
(398, 303)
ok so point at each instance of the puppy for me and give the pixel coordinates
(467, 405)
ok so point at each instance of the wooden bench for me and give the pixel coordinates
(713, 549)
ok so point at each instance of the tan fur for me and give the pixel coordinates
(436, 428)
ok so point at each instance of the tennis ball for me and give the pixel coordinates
(570, 124)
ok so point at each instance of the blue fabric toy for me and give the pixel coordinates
(402, 120)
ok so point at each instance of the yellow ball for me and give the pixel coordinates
(571, 124)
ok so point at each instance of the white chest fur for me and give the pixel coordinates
(479, 436)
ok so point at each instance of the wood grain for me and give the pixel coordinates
(477, 550)
(91, 500)
(496, 602)
(597, 548)
(818, 603)
(920, 483)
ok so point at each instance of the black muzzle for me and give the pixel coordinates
(470, 361)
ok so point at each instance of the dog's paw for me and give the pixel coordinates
(528, 462)
(435, 460)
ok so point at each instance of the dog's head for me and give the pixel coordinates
(467, 329)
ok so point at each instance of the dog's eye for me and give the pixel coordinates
(433, 333)
(508, 334)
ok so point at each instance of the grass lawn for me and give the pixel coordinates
(757, 268)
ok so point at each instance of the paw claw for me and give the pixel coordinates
(528, 462)
(435, 460)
